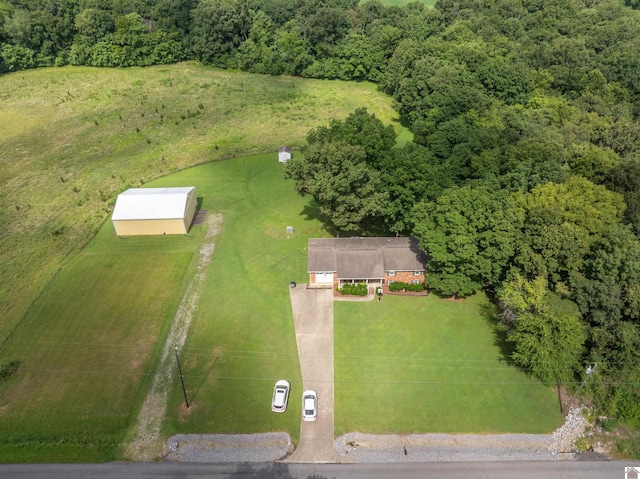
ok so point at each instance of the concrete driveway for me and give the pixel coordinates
(313, 320)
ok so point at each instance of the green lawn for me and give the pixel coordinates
(243, 338)
(87, 347)
(418, 365)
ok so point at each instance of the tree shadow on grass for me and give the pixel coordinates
(204, 379)
(276, 470)
(489, 312)
(311, 212)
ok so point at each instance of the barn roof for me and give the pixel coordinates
(361, 258)
(152, 203)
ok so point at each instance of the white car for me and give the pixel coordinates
(280, 396)
(309, 405)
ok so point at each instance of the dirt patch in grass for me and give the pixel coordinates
(147, 443)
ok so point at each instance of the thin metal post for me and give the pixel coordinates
(184, 391)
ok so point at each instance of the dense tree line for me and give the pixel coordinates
(523, 178)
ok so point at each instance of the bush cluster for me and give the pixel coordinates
(400, 286)
(359, 289)
(8, 369)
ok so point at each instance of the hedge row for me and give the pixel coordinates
(400, 286)
(359, 289)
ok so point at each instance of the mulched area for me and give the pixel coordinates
(199, 217)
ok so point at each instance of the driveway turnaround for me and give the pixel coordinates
(313, 320)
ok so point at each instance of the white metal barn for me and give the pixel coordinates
(154, 211)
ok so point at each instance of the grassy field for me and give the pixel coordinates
(417, 365)
(72, 138)
(88, 345)
(86, 324)
(243, 339)
(86, 349)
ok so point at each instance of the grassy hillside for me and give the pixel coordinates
(72, 138)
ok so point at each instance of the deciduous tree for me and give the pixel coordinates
(550, 343)
(338, 178)
(471, 235)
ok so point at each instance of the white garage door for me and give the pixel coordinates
(324, 277)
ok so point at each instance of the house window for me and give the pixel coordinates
(415, 281)
(417, 273)
(392, 273)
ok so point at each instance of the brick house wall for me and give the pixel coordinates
(404, 277)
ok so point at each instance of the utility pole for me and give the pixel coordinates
(590, 370)
(184, 391)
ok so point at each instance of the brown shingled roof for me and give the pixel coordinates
(364, 258)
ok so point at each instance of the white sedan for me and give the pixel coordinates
(280, 396)
(309, 405)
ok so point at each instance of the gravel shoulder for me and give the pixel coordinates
(357, 447)
(266, 447)
(559, 445)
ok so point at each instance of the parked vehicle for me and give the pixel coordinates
(309, 405)
(280, 396)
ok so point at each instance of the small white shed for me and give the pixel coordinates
(154, 211)
(284, 154)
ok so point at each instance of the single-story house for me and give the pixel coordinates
(332, 262)
(154, 211)
(284, 154)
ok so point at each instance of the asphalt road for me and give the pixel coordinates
(459, 470)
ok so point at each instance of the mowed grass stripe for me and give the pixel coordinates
(86, 347)
(419, 365)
